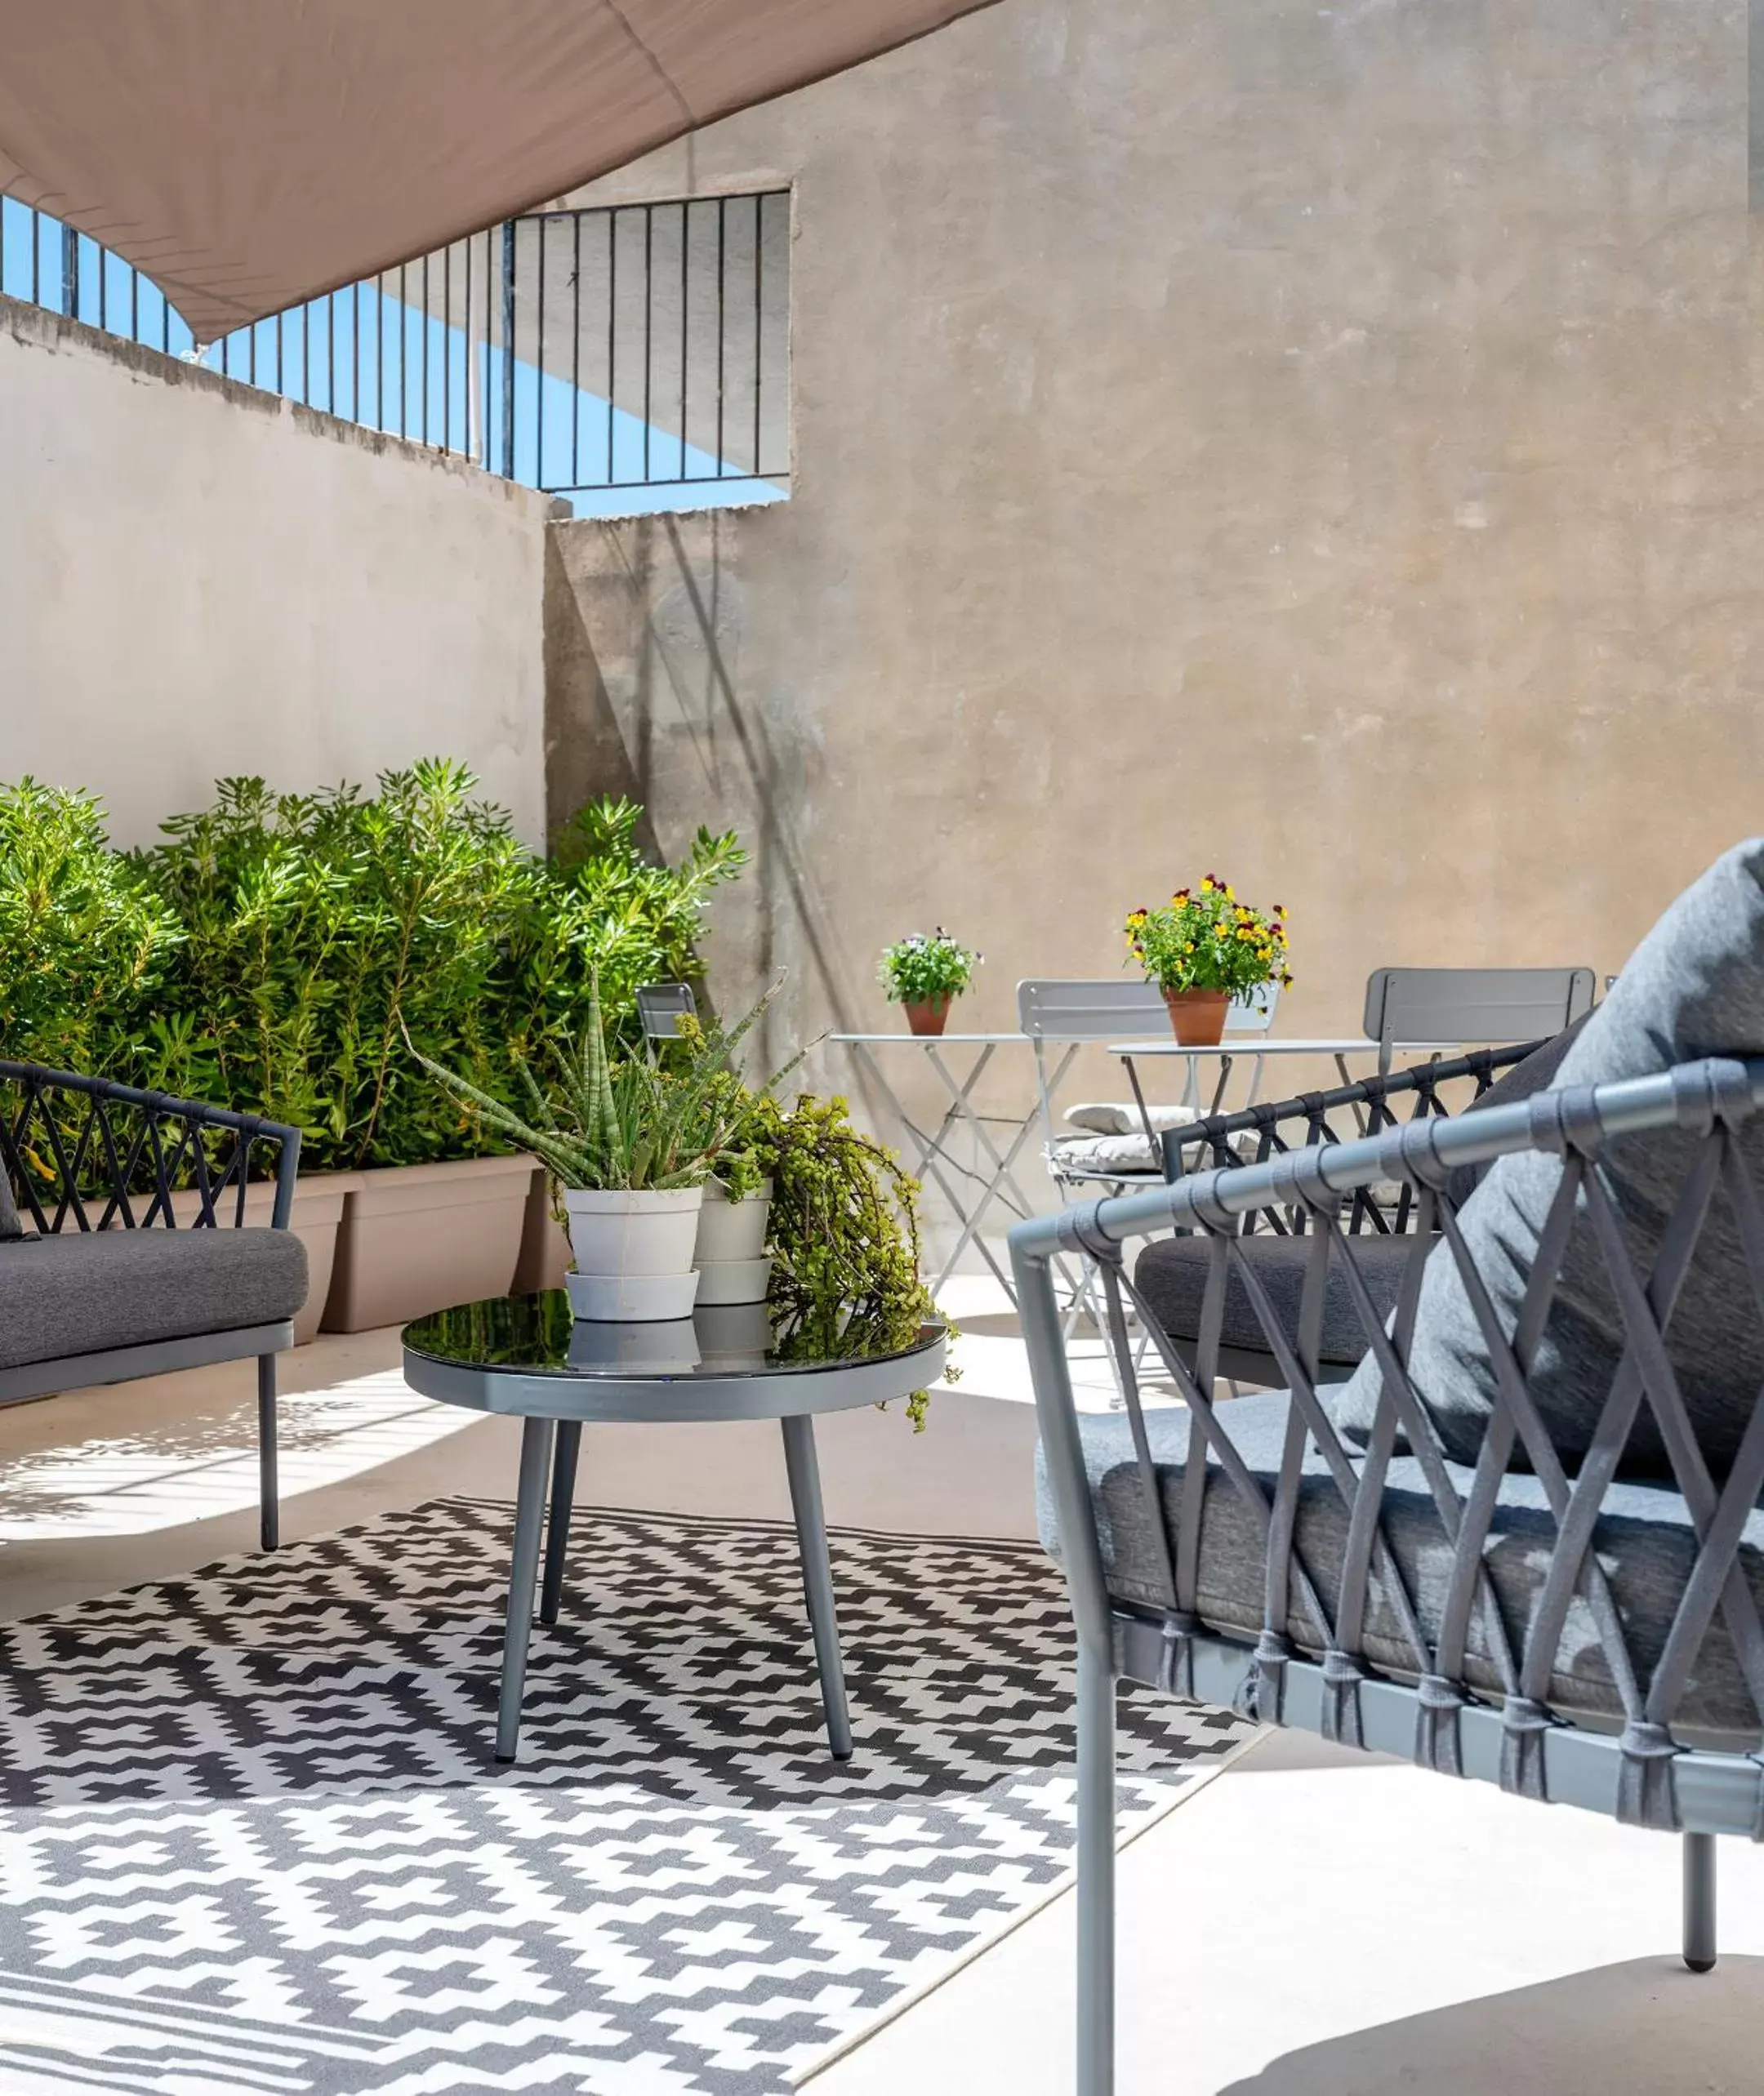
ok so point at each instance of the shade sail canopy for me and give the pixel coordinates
(249, 156)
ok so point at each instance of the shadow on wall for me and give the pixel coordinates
(1647, 2025)
(643, 630)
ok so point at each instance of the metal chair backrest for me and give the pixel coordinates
(1067, 1012)
(1107, 1009)
(661, 1006)
(1452, 1007)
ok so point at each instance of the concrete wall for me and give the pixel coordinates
(197, 578)
(1324, 447)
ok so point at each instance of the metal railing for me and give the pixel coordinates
(588, 353)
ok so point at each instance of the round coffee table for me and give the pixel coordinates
(525, 1355)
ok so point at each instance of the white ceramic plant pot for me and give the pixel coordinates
(616, 1231)
(734, 1280)
(633, 1298)
(732, 1230)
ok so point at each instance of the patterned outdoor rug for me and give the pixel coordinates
(253, 1838)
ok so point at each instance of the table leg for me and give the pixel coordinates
(557, 1524)
(817, 1578)
(529, 1518)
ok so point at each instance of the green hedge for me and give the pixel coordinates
(273, 953)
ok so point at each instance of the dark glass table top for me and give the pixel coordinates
(537, 1335)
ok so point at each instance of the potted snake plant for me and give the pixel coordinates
(628, 1145)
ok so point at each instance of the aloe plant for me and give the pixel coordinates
(622, 1123)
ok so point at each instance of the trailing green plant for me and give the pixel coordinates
(922, 969)
(608, 1121)
(843, 1235)
(85, 944)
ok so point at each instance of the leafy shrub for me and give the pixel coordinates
(84, 944)
(274, 953)
(320, 927)
(603, 911)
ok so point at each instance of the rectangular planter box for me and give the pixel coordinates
(319, 1204)
(544, 1252)
(419, 1238)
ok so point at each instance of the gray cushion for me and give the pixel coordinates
(1171, 1274)
(77, 1292)
(1644, 1539)
(1536, 1074)
(1694, 987)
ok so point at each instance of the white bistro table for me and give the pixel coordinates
(1256, 1047)
(959, 1061)
(971, 1194)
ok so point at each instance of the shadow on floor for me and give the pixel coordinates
(1645, 2026)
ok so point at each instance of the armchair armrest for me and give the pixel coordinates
(1343, 1114)
(84, 1153)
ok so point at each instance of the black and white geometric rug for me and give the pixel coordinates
(252, 1838)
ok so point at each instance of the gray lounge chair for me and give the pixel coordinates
(1523, 1543)
(123, 1246)
(1172, 1273)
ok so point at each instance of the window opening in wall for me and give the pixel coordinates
(629, 358)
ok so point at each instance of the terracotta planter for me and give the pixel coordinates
(420, 1238)
(319, 1201)
(929, 1017)
(1198, 1015)
(544, 1252)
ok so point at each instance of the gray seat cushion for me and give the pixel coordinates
(1171, 1274)
(79, 1292)
(1694, 987)
(1644, 1540)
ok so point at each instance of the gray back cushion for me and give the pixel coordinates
(1694, 987)
(1537, 1073)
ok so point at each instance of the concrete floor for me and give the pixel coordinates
(1309, 1924)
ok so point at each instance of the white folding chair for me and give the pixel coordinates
(1064, 1014)
(1440, 1007)
(660, 1006)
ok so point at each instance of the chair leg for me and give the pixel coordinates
(270, 1512)
(1699, 1901)
(557, 1523)
(1096, 1876)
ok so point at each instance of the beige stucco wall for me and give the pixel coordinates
(197, 578)
(1326, 446)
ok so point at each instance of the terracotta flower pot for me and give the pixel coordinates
(929, 1017)
(1198, 1015)
(417, 1238)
